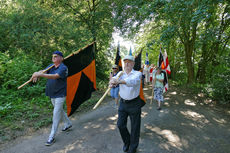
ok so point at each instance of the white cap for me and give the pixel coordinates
(129, 57)
(115, 66)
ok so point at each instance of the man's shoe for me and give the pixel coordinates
(66, 128)
(126, 148)
(132, 151)
(158, 108)
(50, 142)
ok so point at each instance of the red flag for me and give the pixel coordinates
(164, 64)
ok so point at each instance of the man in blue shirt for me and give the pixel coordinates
(56, 90)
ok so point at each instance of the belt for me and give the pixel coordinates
(128, 101)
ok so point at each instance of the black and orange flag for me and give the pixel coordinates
(118, 58)
(137, 67)
(81, 80)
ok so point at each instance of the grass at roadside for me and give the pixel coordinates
(31, 115)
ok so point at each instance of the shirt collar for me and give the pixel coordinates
(58, 66)
(130, 72)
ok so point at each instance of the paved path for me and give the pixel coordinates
(184, 125)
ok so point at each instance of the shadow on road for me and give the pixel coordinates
(184, 125)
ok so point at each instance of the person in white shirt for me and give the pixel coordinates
(130, 104)
(146, 72)
(151, 71)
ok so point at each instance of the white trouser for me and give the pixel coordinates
(58, 114)
(147, 77)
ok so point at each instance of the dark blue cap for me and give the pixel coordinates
(58, 53)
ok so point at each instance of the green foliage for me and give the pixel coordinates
(221, 83)
(102, 84)
(29, 32)
(19, 107)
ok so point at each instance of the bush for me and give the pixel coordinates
(221, 82)
(15, 72)
(221, 87)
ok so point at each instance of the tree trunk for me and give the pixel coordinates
(201, 73)
(188, 57)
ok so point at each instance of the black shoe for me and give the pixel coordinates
(125, 147)
(158, 108)
(50, 142)
(132, 151)
(66, 128)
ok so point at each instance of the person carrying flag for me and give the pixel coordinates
(158, 86)
(151, 71)
(56, 90)
(130, 104)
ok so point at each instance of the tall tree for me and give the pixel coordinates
(214, 37)
(178, 19)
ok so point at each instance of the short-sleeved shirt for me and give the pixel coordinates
(56, 88)
(159, 84)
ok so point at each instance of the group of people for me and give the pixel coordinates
(126, 83)
(147, 71)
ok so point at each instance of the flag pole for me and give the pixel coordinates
(74, 53)
(44, 71)
(107, 91)
(153, 84)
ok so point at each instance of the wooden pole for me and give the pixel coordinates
(44, 71)
(151, 97)
(107, 91)
(153, 84)
(102, 98)
(74, 53)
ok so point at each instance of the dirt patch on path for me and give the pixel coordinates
(185, 124)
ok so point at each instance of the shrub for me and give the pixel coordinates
(221, 82)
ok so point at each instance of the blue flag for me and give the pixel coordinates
(147, 59)
(130, 51)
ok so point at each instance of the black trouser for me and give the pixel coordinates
(133, 110)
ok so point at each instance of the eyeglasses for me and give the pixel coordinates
(114, 68)
(55, 56)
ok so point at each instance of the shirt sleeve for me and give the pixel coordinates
(133, 80)
(63, 72)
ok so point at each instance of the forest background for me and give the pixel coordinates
(195, 34)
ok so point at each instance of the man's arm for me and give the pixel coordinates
(50, 76)
(130, 81)
(36, 75)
